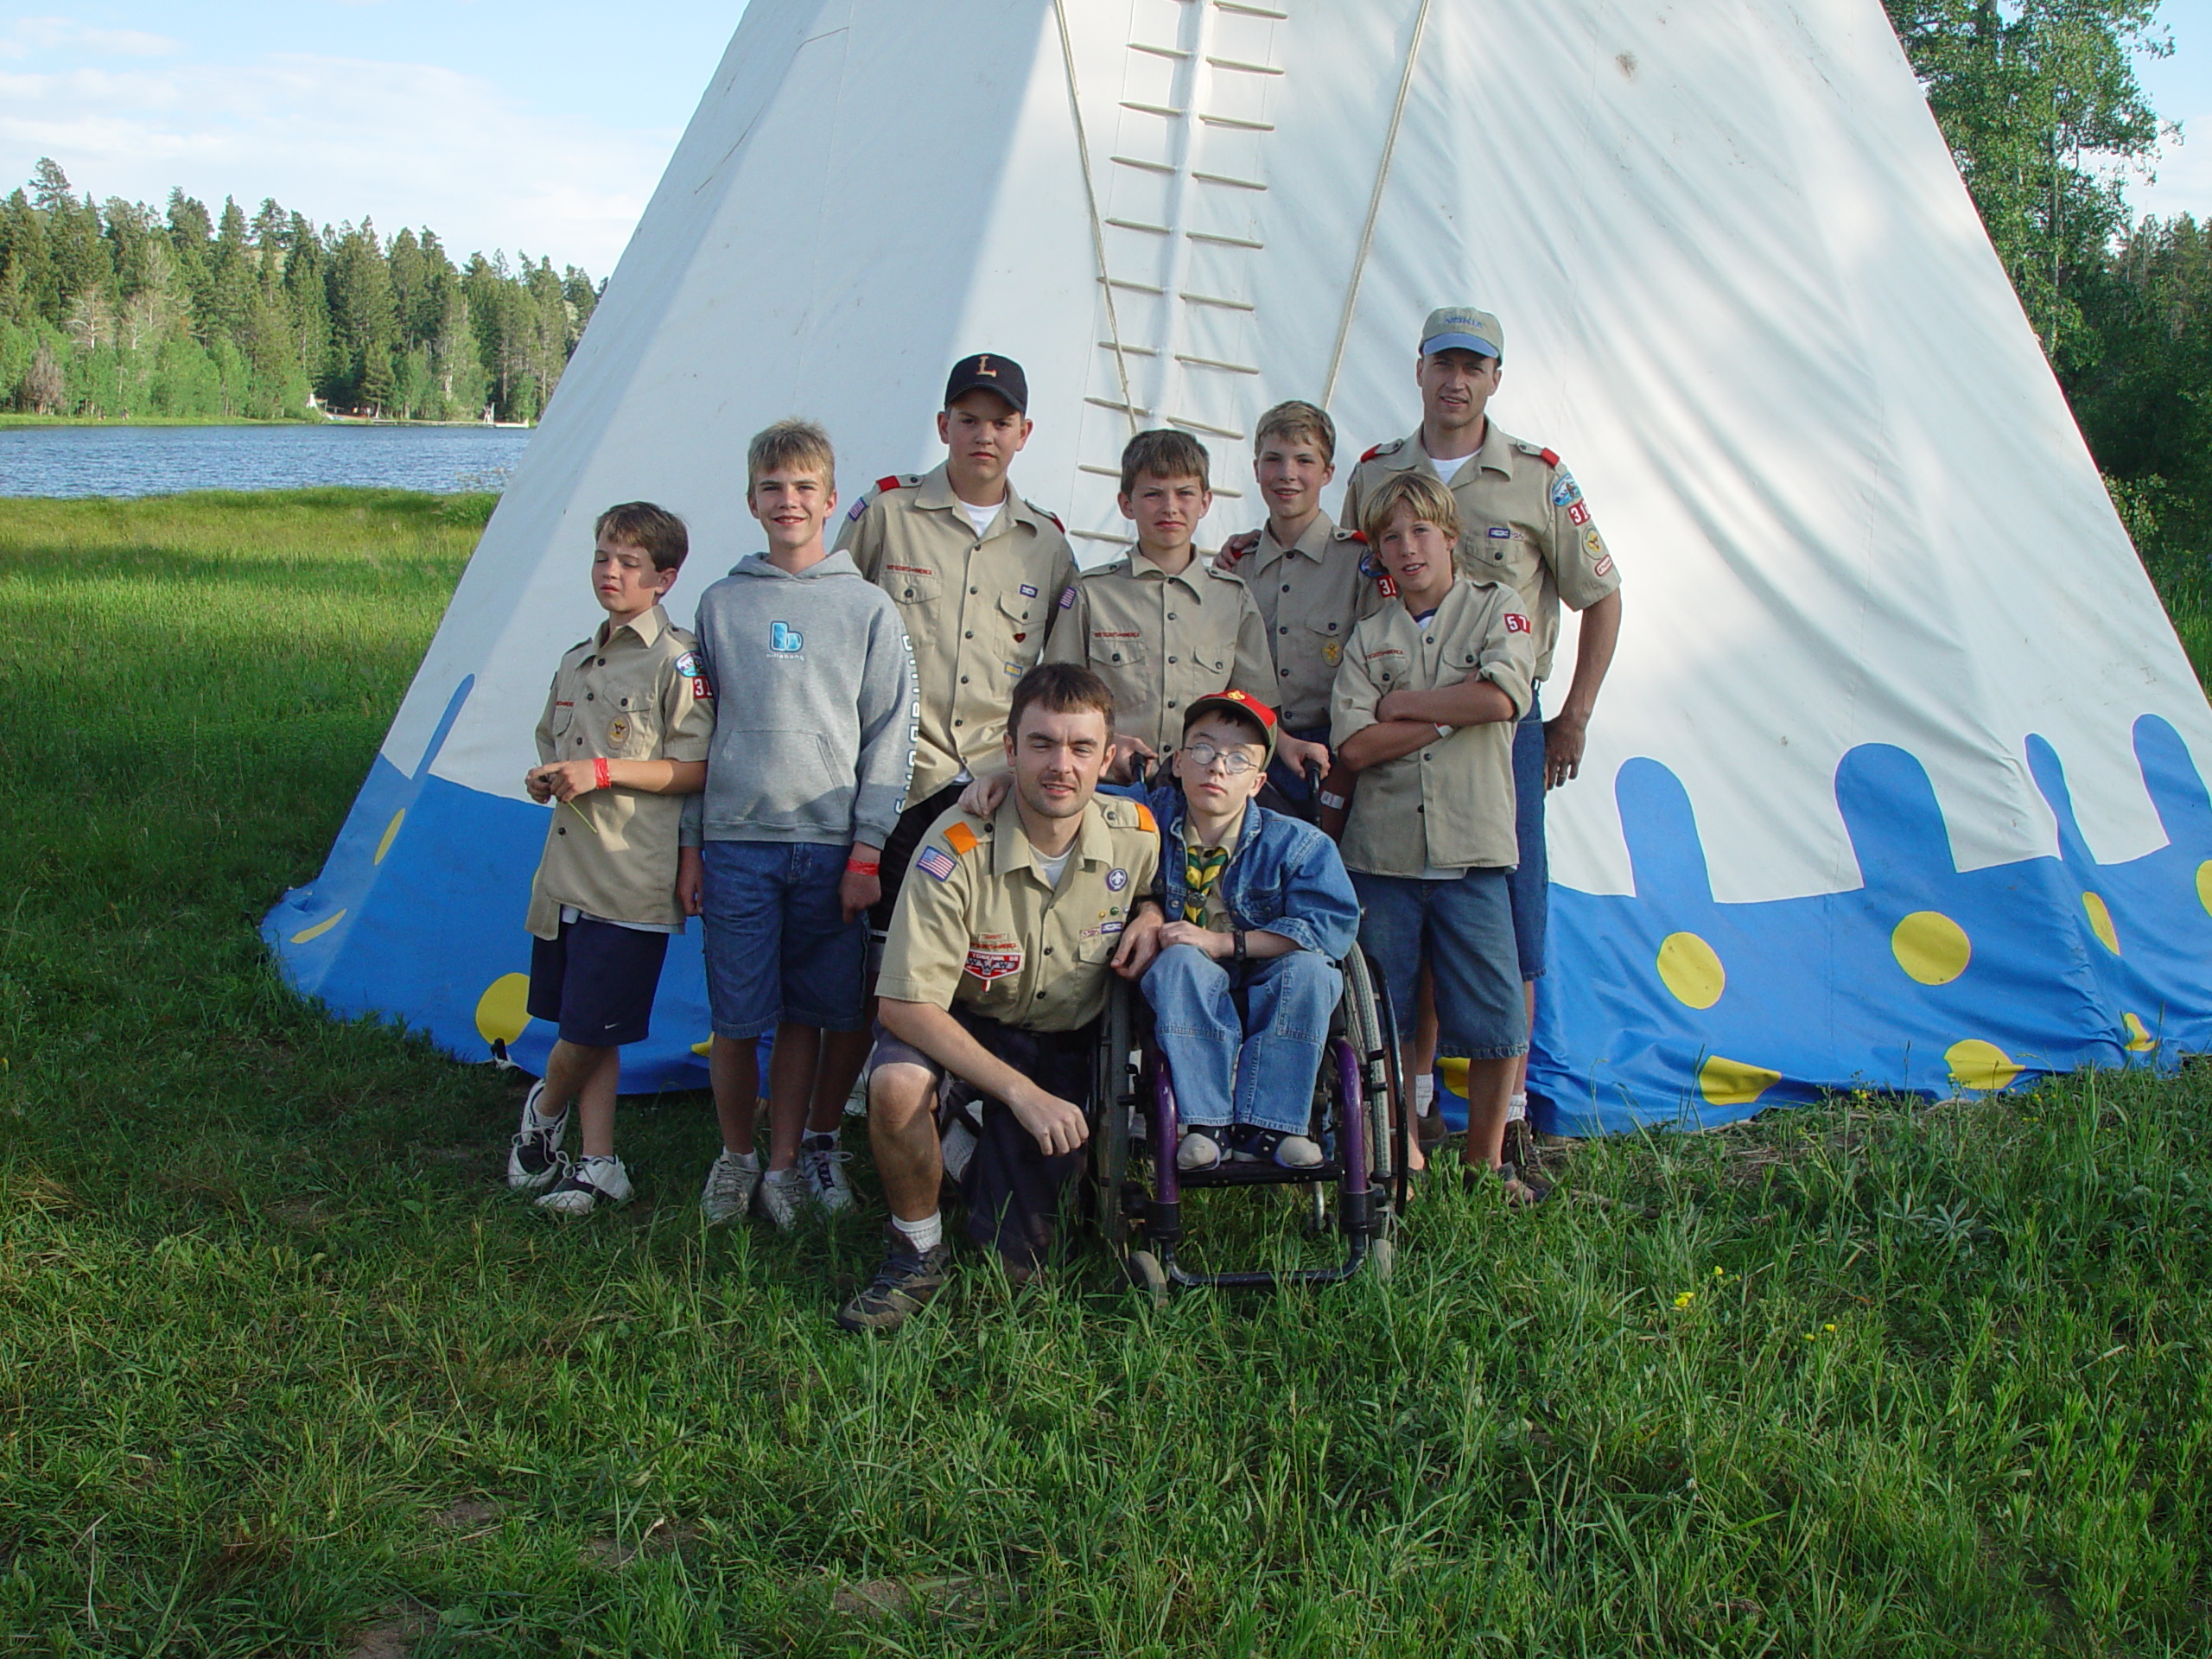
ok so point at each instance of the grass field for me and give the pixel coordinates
(285, 1371)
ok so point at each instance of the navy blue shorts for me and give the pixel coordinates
(778, 947)
(598, 981)
(1531, 885)
(1463, 929)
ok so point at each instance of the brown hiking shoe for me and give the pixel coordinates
(903, 1284)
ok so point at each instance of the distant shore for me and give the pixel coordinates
(16, 420)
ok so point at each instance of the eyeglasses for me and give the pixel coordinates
(1234, 762)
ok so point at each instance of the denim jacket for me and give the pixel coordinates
(1285, 877)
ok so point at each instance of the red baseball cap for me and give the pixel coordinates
(1243, 702)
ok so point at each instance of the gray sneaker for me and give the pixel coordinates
(534, 1156)
(590, 1183)
(728, 1191)
(903, 1286)
(782, 1197)
(824, 1166)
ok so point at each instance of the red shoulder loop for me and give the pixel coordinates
(1057, 524)
(885, 485)
(1359, 535)
(1371, 453)
(1551, 457)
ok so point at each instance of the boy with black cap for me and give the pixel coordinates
(1258, 903)
(974, 569)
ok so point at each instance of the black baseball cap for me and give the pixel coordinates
(989, 372)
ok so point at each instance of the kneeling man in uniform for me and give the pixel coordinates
(993, 977)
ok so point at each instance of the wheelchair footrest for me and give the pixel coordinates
(1227, 1173)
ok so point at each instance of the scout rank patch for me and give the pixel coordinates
(690, 668)
(617, 731)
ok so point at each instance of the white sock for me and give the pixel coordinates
(1424, 1094)
(742, 1160)
(1516, 1108)
(923, 1235)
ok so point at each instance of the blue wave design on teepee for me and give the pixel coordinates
(1668, 1008)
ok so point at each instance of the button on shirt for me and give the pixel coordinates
(977, 608)
(1449, 804)
(638, 692)
(1161, 641)
(1523, 521)
(1310, 596)
(978, 927)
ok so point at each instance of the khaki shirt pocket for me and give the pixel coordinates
(1100, 949)
(1125, 648)
(1021, 626)
(911, 584)
(633, 727)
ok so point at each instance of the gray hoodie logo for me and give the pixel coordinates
(785, 640)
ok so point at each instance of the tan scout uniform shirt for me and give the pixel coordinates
(1159, 641)
(975, 608)
(638, 692)
(1310, 596)
(1524, 522)
(1448, 805)
(976, 926)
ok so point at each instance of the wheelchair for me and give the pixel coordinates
(1361, 1118)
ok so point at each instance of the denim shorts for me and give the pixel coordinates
(1464, 929)
(1531, 884)
(597, 980)
(778, 947)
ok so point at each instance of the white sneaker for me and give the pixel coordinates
(590, 1183)
(782, 1197)
(1200, 1149)
(534, 1156)
(823, 1165)
(728, 1191)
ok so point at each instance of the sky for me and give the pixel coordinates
(538, 128)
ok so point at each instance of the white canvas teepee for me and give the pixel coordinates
(1899, 777)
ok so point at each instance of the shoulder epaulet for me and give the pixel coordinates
(1388, 448)
(963, 840)
(1045, 512)
(1549, 457)
(1345, 533)
(1124, 813)
(1146, 822)
(889, 482)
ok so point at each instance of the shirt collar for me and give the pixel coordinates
(1313, 542)
(646, 629)
(935, 493)
(1093, 843)
(1144, 569)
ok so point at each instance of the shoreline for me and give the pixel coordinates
(11, 422)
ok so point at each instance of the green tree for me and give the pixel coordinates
(2040, 104)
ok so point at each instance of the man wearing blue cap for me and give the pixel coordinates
(1524, 523)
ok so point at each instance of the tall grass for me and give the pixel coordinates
(285, 1371)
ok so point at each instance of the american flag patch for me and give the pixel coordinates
(937, 861)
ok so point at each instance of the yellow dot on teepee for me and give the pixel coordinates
(2138, 1036)
(2100, 922)
(703, 1048)
(2204, 885)
(390, 835)
(1977, 1064)
(1689, 968)
(1455, 1074)
(1732, 1082)
(504, 1009)
(1931, 947)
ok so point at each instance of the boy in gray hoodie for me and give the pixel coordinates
(814, 739)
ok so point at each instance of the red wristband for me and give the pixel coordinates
(859, 868)
(598, 777)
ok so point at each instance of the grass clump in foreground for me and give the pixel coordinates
(286, 1371)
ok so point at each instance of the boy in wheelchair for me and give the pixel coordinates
(1260, 910)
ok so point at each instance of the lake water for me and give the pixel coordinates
(162, 459)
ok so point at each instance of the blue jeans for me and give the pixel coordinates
(1463, 927)
(1531, 885)
(778, 947)
(1267, 1059)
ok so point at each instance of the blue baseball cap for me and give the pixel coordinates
(1462, 329)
